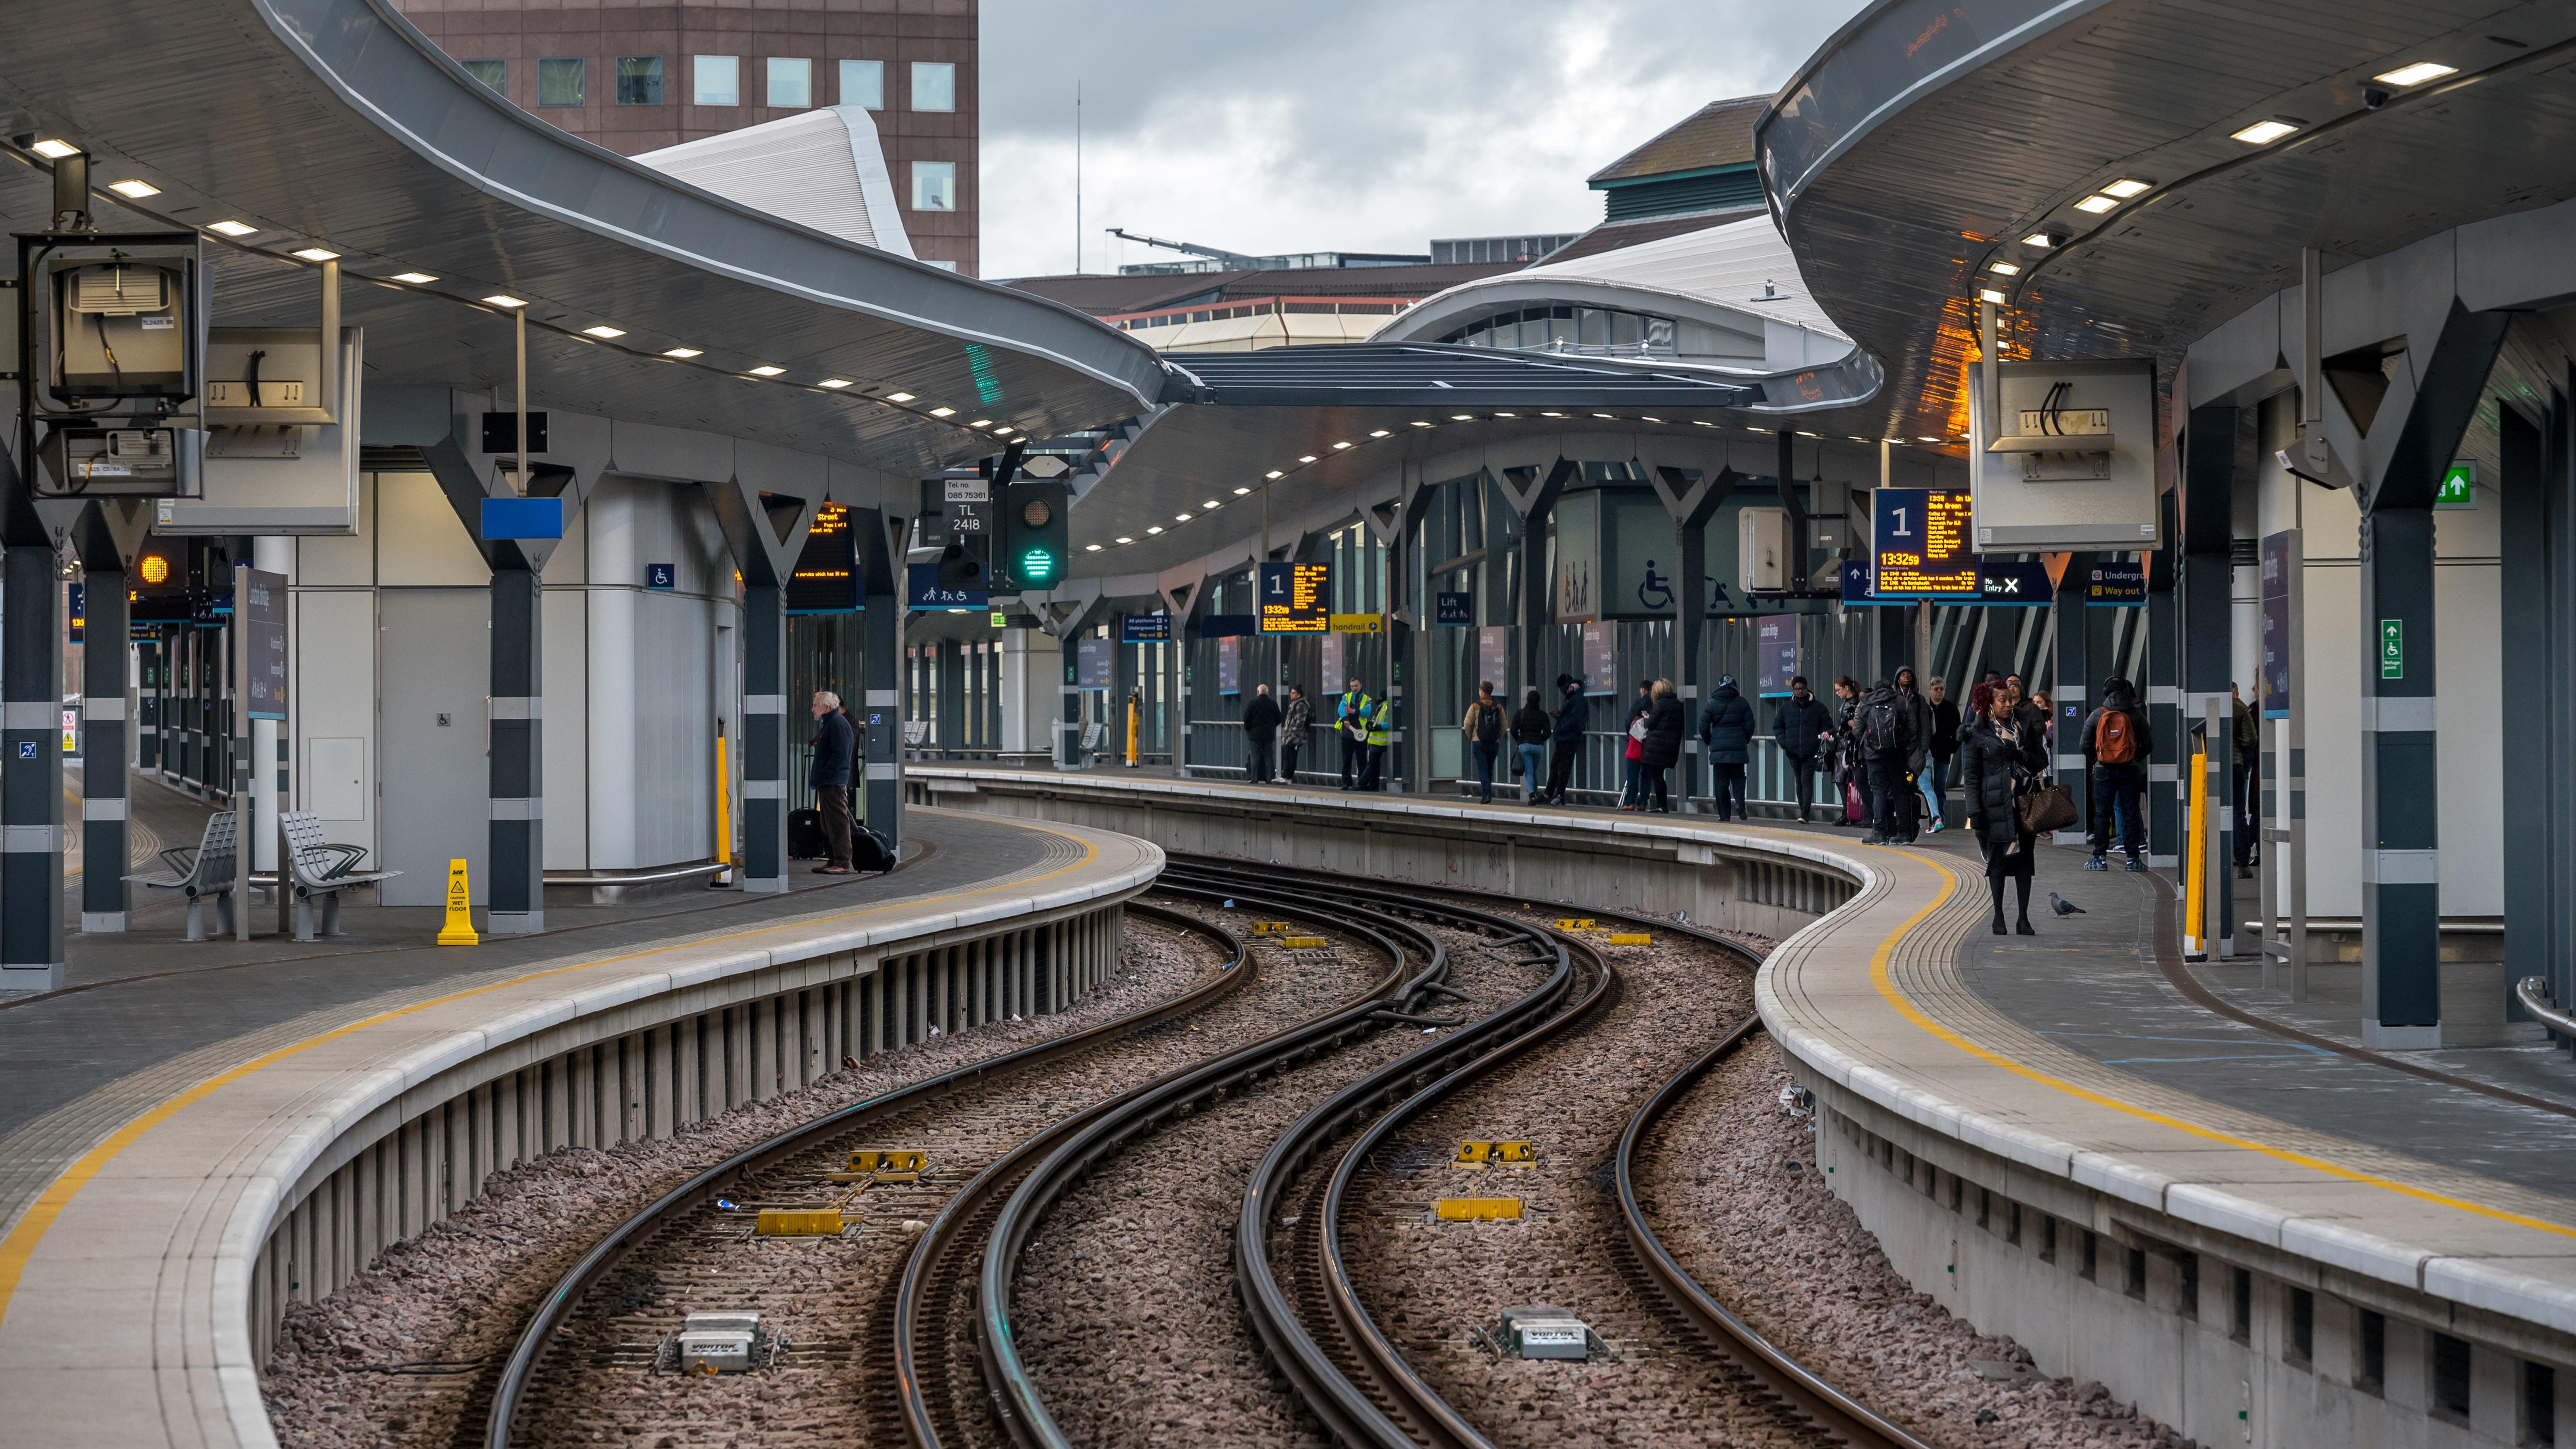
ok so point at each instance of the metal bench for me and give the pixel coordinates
(321, 870)
(205, 871)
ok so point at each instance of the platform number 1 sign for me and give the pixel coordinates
(2392, 649)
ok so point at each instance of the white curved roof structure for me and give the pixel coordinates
(1733, 292)
(822, 168)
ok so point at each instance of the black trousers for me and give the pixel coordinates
(2249, 809)
(1802, 782)
(1354, 754)
(1256, 757)
(1560, 766)
(1887, 792)
(1373, 768)
(835, 806)
(1288, 763)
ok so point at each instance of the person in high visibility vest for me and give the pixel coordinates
(1377, 732)
(1352, 720)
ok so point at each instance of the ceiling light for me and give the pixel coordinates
(943, 412)
(134, 189)
(1651, 420)
(504, 299)
(1212, 503)
(1420, 424)
(2003, 269)
(683, 352)
(417, 279)
(1702, 423)
(2039, 239)
(2095, 205)
(981, 423)
(1507, 415)
(1989, 294)
(1239, 492)
(1802, 432)
(1157, 528)
(2126, 187)
(1091, 548)
(1308, 458)
(1612, 416)
(1462, 417)
(1180, 518)
(603, 332)
(834, 382)
(1337, 447)
(1922, 438)
(317, 254)
(2264, 133)
(1551, 415)
(53, 150)
(765, 370)
(1130, 540)
(1377, 432)
(1276, 473)
(230, 228)
(2405, 75)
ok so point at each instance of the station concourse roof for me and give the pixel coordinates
(334, 124)
(1925, 141)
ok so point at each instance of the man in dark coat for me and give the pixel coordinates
(1885, 730)
(1661, 748)
(1726, 732)
(836, 746)
(1573, 716)
(1804, 729)
(1260, 735)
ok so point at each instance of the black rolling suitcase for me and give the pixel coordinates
(805, 835)
(870, 850)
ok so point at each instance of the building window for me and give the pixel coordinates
(934, 186)
(716, 80)
(2539, 1406)
(2303, 1328)
(639, 80)
(943, 266)
(791, 83)
(2450, 1378)
(934, 85)
(561, 82)
(493, 73)
(863, 84)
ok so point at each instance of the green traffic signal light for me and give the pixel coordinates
(1037, 566)
(1034, 536)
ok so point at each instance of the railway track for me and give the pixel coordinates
(939, 1366)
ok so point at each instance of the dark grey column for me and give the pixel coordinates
(2401, 890)
(103, 802)
(2534, 945)
(2075, 682)
(764, 739)
(153, 663)
(2162, 694)
(1690, 632)
(1537, 604)
(881, 673)
(2207, 585)
(31, 772)
(518, 841)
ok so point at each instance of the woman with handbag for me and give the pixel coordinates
(1999, 765)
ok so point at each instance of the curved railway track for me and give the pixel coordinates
(956, 1378)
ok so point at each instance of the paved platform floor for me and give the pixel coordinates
(144, 1009)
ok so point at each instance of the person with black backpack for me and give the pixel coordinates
(2117, 745)
(1483, 729)
(1885, 731)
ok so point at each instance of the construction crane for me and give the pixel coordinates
(1235, 260)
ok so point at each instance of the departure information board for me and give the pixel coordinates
(1296, 598)
(1921, 544)
(826, 580)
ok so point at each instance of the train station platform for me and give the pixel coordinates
(198, 1134)
(2081, 1081)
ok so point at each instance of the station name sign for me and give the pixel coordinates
(1296, 598)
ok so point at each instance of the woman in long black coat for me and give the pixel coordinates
(1660, 748)
(1999, 758)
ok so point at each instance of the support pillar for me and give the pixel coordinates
(2401, 879)
(764, 740)
(104, 893)
(1538, 611)
(2161, 692)
(31, 771)
(2533, 519)
(2207, 590)
(2074, 681)
(518, 887)
(881, 675)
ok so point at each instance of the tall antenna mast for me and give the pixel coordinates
(1077, 178)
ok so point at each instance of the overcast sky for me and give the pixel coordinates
(1267, 126)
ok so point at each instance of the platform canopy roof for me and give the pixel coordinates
(1929, 141)
(333, 124)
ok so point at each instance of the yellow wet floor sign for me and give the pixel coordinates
(459, 930)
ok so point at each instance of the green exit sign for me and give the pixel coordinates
(2392, 649)
(2459, 485)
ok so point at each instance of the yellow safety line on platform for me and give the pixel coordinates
(1896, 997)
(19, 1247)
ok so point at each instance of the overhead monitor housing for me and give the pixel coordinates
(2064, 457)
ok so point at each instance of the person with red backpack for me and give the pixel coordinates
(2117, 745)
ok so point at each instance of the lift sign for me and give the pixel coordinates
(1919, 540)
(1296, 598)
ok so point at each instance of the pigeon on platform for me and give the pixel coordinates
(2063, 908)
